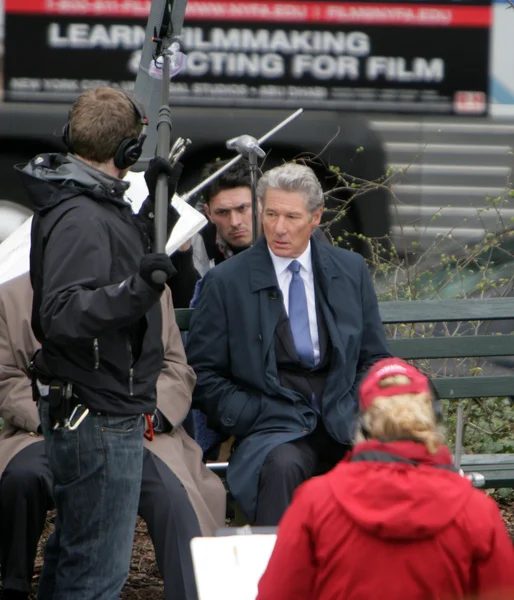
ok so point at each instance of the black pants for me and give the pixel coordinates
(172, 523)
(26, 496)
(287, 466)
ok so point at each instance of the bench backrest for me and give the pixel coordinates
(416, 331)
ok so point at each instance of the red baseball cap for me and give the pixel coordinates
(370, 387)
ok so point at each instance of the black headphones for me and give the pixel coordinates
(129, 149)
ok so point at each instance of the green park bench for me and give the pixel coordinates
(415, 332)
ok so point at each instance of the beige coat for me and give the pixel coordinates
(174, 387)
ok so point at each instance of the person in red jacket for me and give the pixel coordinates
(394, 519)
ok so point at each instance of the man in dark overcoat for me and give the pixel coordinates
(280, 339)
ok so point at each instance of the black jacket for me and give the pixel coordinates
(99, 323)
(183, 283)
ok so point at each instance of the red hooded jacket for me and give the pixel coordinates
(392, 531)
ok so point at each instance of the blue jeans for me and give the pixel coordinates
(97, 479)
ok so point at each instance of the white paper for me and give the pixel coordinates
(230, 567)
(15, 250)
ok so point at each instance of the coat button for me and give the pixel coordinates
(227, 421)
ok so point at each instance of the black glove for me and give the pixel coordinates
(158, 166)
(146, 218)
(156, 262)
(146, 213)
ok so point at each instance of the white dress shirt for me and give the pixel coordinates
(284, 277)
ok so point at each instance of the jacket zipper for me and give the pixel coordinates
(96, 350)
(131, 371)
(131, 382)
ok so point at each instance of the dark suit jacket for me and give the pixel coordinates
(231, 348)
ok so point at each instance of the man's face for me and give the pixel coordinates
(287, 223)
(231, 212)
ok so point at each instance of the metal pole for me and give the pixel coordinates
(163, 149)
(285, 122)
(198, 188)
(252, 160)
(458, 435)
(164, 25)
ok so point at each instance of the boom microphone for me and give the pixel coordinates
(163, 29)
(161, 42)
(244, 144)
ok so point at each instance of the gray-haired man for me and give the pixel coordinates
(280, 339)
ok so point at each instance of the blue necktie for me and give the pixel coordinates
(299, 316)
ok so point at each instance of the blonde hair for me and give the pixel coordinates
(402, 417)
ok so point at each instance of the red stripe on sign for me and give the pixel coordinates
(341, 12)
(353, 13)
(103, 8)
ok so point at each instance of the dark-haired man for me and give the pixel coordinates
(227, 203)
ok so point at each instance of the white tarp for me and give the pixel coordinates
(14, 251)
(190, 222)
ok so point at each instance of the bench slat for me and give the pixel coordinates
(494, 478)
(421, 311)
(494, 460)
(498, 470)
(453, 346)
(183, 318)
(437, 311)
(474, 387)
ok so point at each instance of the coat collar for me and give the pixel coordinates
(262, 272)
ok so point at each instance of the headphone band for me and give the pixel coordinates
(129, 149)
(143, 119)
